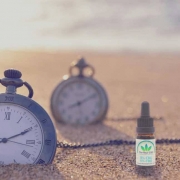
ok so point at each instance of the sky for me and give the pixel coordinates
(109, 25)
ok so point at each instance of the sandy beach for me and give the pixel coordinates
(129, 79)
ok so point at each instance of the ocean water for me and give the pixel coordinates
(100, 25)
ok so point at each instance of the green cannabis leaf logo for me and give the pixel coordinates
(146, 148)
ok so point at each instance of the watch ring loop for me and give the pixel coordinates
(81, 72)
(31, 92)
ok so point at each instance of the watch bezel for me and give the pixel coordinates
(48, 150)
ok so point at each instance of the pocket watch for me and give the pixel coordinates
(79, 99)
(27, 134)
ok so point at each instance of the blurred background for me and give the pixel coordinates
(101, 25)
(133, 46)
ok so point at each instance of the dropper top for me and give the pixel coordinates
(145, 122)
(145, 109)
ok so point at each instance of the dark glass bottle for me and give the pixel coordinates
(145, 141)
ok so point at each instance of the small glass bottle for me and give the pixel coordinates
(145, 142)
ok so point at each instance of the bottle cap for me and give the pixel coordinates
(145, 122)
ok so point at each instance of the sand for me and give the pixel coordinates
(128, 79)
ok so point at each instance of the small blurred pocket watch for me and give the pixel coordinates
(79, 99)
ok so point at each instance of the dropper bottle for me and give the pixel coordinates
(145, 142)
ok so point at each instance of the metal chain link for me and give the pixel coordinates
(131, 118)
(112, 142)
(117, 141)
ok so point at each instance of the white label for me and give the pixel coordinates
(145, 152)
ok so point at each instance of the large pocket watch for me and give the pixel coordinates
(27, 134)
(79, 99)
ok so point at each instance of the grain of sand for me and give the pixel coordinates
(129, 79)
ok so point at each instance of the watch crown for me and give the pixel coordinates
(81, 63)
(12, 73)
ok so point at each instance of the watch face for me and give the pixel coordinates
(27, 134)
(21, 136)
(80, 102)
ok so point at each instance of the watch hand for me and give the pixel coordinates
(75, 104)
(19, 143)
(84, 100)
(14, 142)
(88, 98)
(4, 140)
(22, 133)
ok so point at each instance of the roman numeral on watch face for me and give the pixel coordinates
(25, 154)
(7, 115)
(30, 141)
(40, 161)
(48, 142)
